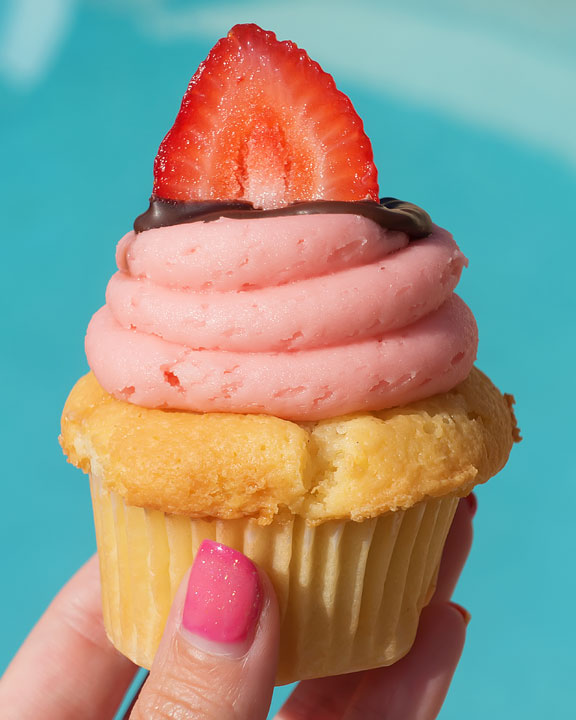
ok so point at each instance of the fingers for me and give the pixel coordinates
(218, 655)
(321, 699)
(412, 689)
(67, 668)
(456, 550)
(427, 669)
(416, 686)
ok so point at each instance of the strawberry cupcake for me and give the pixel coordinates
(281, 365)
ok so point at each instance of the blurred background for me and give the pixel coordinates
(471, 107)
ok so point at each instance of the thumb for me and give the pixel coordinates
(218, 655)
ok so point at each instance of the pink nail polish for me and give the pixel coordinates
(472, 503)
(462, 610)
(224, 597)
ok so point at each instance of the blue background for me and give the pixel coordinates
(472, 111)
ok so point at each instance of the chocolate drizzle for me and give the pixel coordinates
(389, 213)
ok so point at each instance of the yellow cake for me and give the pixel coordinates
(348, 515)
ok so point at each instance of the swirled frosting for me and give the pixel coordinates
(302, 317)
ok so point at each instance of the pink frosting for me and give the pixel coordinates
(302, 317)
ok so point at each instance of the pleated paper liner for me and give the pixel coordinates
(350, 593)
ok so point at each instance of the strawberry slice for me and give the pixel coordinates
(261, 122)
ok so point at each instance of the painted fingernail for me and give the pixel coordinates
(223, 600)
(472, 503)
(462, 610)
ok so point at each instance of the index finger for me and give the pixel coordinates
(67, 668)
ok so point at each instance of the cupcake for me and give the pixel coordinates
(282, 366)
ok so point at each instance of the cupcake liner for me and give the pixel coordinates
(350, 593)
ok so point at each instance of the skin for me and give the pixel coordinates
(67, 669)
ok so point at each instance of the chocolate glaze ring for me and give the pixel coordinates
(389, 213)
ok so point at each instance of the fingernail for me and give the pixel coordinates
(462, 610)
(223, 600)
(472, 503)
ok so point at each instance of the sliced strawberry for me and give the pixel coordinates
(262, 122)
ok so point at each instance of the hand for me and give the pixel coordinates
(215, 667)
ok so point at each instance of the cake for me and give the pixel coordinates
(282, 365)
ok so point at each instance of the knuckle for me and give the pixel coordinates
(81, 621)
(185, 692)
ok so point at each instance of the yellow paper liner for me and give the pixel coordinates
(350, 593)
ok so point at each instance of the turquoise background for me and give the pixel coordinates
(472, 111)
